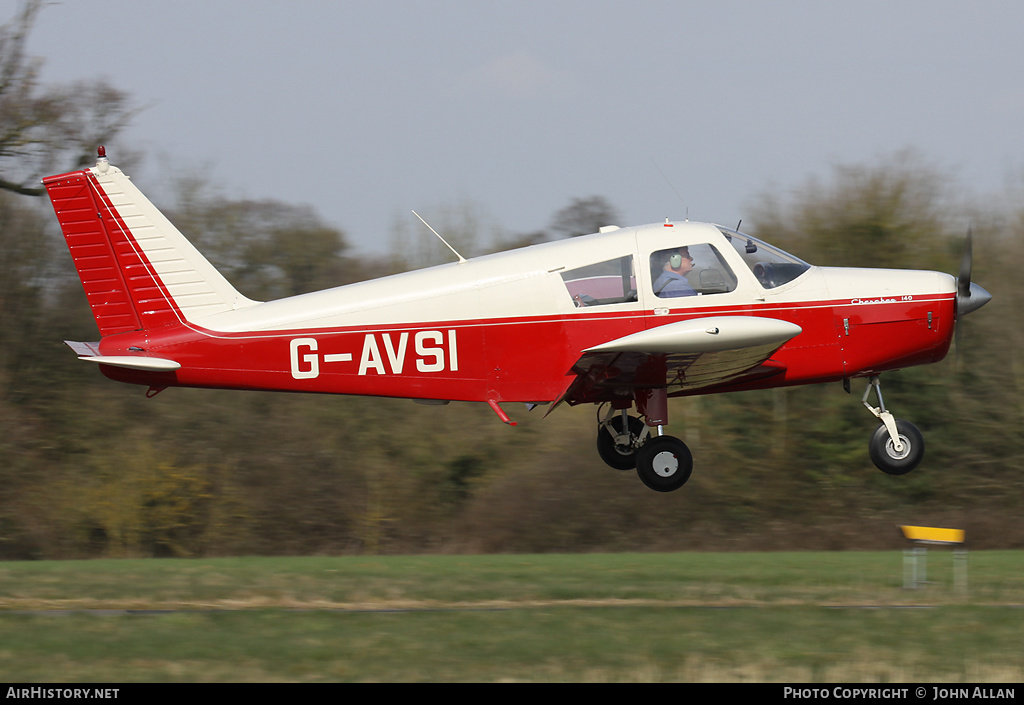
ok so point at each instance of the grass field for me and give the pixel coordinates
(760, 617)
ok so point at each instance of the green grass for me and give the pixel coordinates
(783, 617)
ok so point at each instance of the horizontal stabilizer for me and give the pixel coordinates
(90, 352)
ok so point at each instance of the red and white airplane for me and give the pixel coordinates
(623, 318)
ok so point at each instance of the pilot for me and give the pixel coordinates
(672, 280)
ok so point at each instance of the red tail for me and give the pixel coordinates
(112, 273)
(138, 271)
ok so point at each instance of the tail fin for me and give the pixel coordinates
(138, 271)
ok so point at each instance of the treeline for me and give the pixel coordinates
(89, 467)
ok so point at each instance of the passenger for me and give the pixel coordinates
(672, 280)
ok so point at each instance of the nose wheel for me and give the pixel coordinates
(894, 460)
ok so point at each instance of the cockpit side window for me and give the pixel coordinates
(693, 270)
(610, 282)
(770, 265)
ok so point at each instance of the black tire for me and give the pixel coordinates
(616, 456)
(884, 455)
(664, 463)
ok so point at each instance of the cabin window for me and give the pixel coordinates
(770, 265)
(692, 270)
(610, 282)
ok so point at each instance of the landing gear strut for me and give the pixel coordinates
(897, 446)
(663, 463)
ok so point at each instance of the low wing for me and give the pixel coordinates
(683, 356)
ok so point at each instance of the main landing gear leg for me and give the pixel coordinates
(897, 446)
(663, 463)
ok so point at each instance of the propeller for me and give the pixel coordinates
(969, 297)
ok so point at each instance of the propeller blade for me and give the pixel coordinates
(977, 296)
(963, 282)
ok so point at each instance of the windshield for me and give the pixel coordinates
(772, 266)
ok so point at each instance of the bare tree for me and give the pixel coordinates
(45, 129)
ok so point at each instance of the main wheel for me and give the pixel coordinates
(884, 454)
(664, 463)
(620, 457)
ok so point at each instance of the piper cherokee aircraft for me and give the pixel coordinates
(625, 318)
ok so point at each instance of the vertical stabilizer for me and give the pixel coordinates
(138, 271)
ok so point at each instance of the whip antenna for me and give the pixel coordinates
(670, 185)
(461, 258)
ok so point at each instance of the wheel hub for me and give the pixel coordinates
(665, 464)
(903, 452)
(624, 448)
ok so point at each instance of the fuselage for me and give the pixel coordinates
(510, 326)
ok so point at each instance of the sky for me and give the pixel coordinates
(367, 111)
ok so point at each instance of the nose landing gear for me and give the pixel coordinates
(897, 446)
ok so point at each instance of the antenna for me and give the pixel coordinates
(672, 186)
(461, 258)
